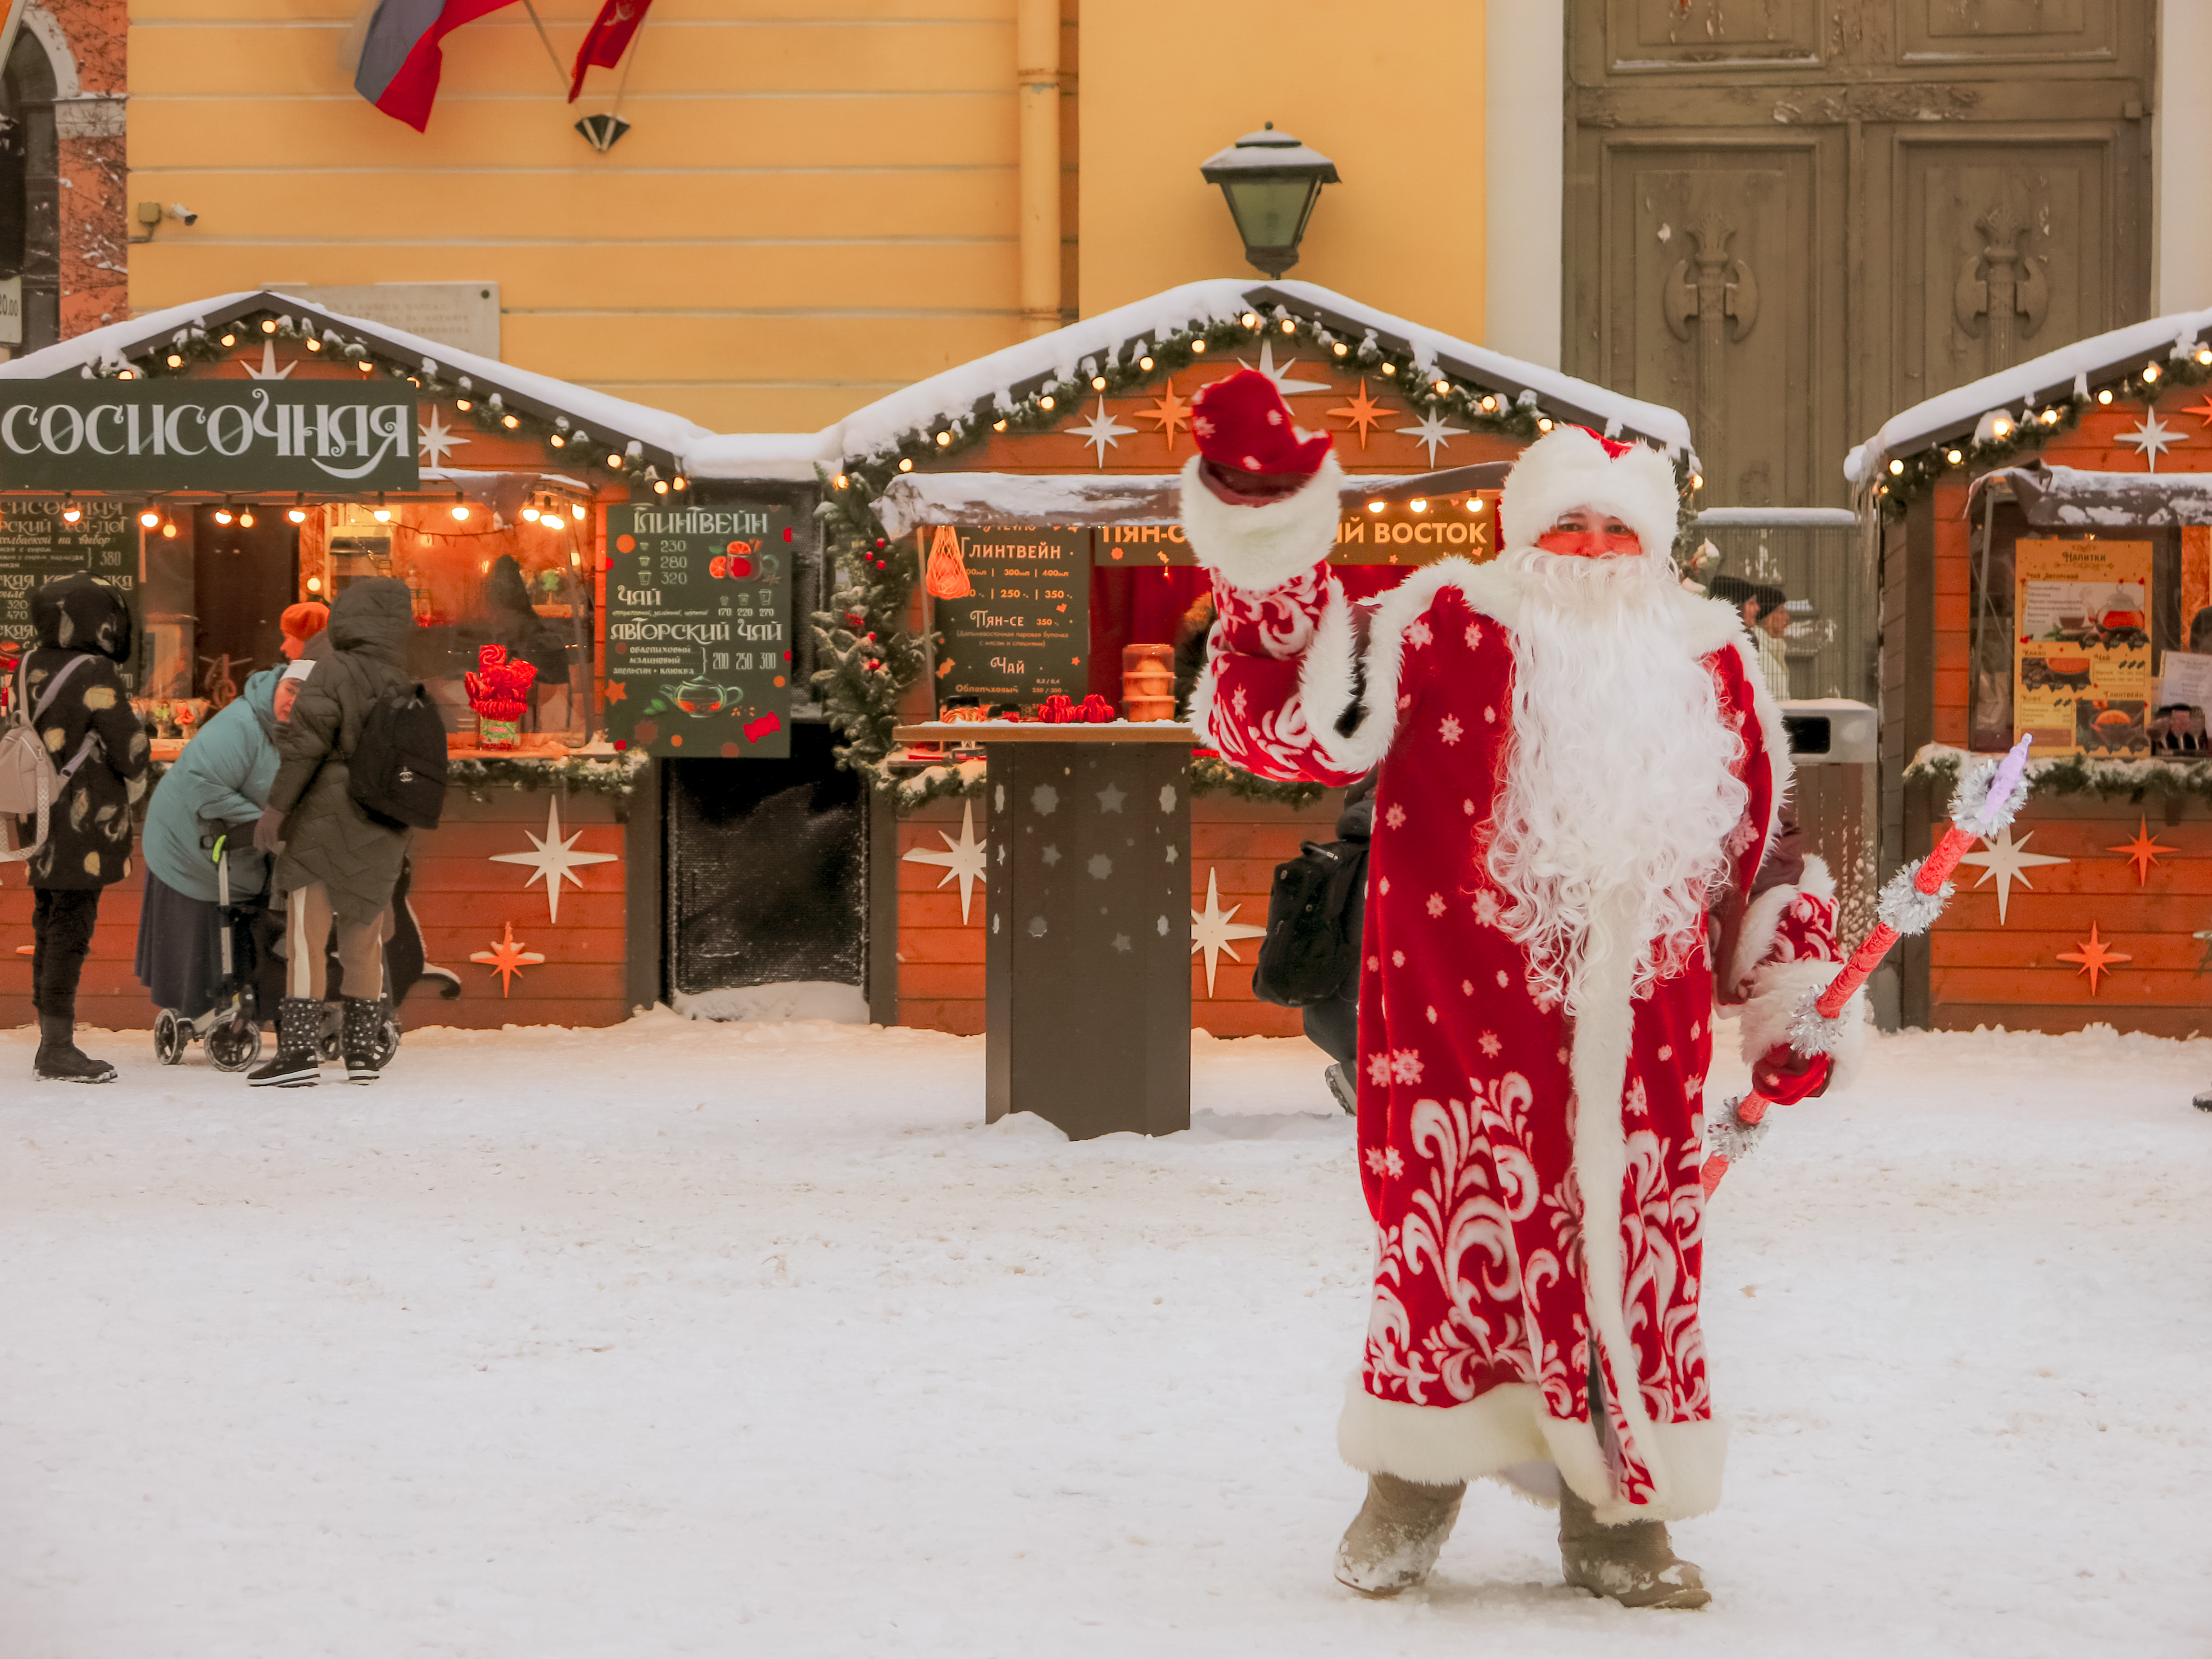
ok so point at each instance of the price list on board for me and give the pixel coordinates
(37, 544)
(699, 629)
(1013, 606)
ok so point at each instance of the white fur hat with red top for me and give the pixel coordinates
(1260, 499)
(1572, 467)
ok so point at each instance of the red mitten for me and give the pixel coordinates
(1786, 1077)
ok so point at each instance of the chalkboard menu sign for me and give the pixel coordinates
(38, 544)
(1014, 607)
(699, 629)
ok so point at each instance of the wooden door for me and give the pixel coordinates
(1791, 219)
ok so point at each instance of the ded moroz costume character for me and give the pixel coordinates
(1579, 761)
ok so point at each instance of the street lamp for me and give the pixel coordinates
(1271, 182)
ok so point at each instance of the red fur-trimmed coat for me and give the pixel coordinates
(1493, 1182)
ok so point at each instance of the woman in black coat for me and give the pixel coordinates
(84, 631)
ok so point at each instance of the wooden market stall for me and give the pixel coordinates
(224, 460)
(1023, 509)
(2045, 539)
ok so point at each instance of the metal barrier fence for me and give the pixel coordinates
(1817, 556)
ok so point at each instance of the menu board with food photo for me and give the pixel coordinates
(2082, 669)
(699, 629)
(1014, 606)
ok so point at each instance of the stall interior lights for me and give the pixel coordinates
(150, 518)
(2106, 396)
(530, 513)
(314, 584)
(576, 511)
(1145, 363)
(126, 375)
(615, 461)
(313, 344)
(682, 482)
(459, 510)
(1954, 456)
(1289, 326)
(1374, 506)
(1474, 503)
(1198, 347)
(365, 365)
(230, 339)
(2150, 373)
(297, 513)
(2204, 356)
(1489, 405)
(169, 529)
(267, 324)
(224, 514)
(70, 511)
(509, 421)
(559, 442)
(1417, 505)
(1099, 383)
(1543, 422)
(175, 360)
(660, 486)
(463, 405)
(246, 518)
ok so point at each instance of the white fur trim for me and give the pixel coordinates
(1778, 992)
(1768, 713)
(1762, 920)
(1598, 1064)
(1201, 703)
(1568, 468)
(1259, 548)
(1506, 1435)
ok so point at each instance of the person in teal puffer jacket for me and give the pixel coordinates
(219, 785)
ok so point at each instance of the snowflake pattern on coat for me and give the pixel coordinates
(1467, 1153)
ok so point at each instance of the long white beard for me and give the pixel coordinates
(1619, 799)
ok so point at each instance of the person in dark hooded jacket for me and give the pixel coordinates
(84, 631)
(335, 862)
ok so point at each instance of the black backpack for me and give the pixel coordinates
(397, 773)
(1309, 951)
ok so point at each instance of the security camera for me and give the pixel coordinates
(182, 213)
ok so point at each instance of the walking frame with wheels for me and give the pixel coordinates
(231, 1029)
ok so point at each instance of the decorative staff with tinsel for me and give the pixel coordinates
(1988, 795)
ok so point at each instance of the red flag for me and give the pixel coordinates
(607, 38)
(401, 57)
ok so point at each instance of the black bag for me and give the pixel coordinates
(397, 773)
(1309, 951)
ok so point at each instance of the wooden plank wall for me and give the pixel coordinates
(462, 900)
(940, 958)
(1980, 972)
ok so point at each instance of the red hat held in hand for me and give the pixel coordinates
(1243, 426)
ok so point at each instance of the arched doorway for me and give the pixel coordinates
(30, 196)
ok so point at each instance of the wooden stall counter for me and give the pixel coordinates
(524, 893)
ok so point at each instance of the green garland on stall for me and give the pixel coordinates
(1906, 478)
(195, 343)
(872, 661)
(2078, 775)
(614, 776)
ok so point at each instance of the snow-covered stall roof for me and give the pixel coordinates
(999, 380)
(2069, 370)
(611, 418)
(1082, 498)
(2074, 495)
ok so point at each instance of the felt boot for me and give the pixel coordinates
(60, 1060)
(1395, 1539)
(296, 1064)
(1634, 1564)
(357, 1037)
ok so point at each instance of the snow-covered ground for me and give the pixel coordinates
(684, 1338)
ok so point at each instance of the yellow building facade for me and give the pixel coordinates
(806, 213)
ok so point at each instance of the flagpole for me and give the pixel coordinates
(559, 74)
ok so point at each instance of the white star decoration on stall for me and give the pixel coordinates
(2006, 859)
(554, 858)
(1212, 928)
(963, 858)
(2151, 439)
(436, 439)
(1281, 377)
(269, 371)
(1102, 432)
(1431, 434)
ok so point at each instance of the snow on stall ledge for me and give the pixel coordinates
(687, 1338)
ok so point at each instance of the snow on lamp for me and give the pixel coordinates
(1271, 182)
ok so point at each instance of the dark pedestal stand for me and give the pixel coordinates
(1086, 971)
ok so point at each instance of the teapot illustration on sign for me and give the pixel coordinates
(699, 698)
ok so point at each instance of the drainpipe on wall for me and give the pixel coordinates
(1036, 78)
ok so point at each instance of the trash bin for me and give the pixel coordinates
(1836, 742)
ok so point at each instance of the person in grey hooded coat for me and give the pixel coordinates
(335, 862)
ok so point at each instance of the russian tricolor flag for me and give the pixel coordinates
(401, 57)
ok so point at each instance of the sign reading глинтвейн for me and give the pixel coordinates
(232, 435)
(699, 629)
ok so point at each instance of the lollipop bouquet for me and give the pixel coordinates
(501, 697)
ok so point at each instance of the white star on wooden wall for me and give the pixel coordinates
(553, 859)
(2005, 859)
(1212, 928)
(963, 858)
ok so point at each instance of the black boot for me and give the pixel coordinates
(59, 1059)
(363, 1017)
(296, 1064)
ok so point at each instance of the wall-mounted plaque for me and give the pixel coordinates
(699, 629)
(37, 545)
(1013, 606)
